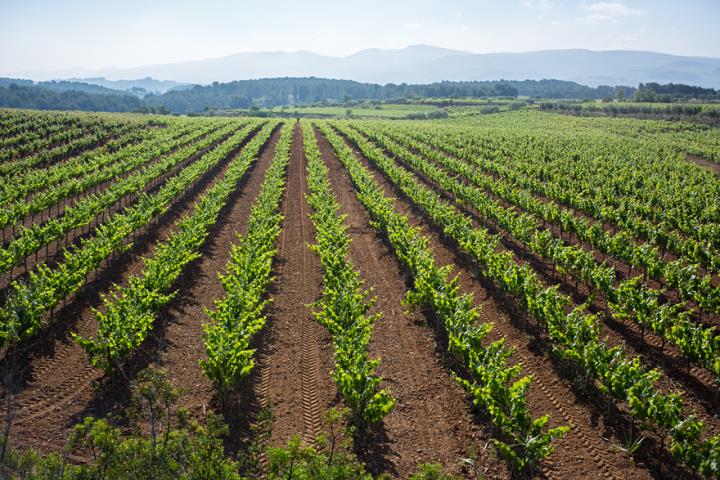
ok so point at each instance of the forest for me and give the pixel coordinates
(64, 95)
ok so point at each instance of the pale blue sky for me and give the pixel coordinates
(39, 35)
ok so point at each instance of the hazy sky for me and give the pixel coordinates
(39, 35)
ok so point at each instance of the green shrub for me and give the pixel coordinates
(173, 448)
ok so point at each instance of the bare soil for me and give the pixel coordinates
(56, 386)
(432, 421)
(704, 162)
(295, 378)
(592, 447)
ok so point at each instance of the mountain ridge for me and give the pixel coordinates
(421, 64)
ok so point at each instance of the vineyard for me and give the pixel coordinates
(522, 294)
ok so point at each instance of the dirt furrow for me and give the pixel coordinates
(432, 422)
(53, 251)
(297, 362)
(181, 347)
(589, 445)
(55, 385)
(696, 380)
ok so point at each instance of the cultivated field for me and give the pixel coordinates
(513, 294)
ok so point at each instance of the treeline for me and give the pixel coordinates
(40, 98)
(655, 92)
(567, 89)
(622, 108)
(296, 91)
(66, 86)
(6, 82)
(272, 92)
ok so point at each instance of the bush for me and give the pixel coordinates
(174, 448)
(331, 460)
(431, 472)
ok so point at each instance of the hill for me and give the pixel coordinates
(426, 64)
(289, 91)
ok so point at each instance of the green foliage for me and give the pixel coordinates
(575, 336)
(344, 305)
(29, 299)
(431, 472)
(16, 96)
(523, 442)
(331, 459)
(239, 315)
(131, 310)
(88, 170)
(630, 299)
(174, 447)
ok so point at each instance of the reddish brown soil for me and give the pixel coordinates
(56, 386)
(698, 380)
(181, 347)
(295, 380)
(53, 251)
(592, 448)
(703, 162)
(431, 422)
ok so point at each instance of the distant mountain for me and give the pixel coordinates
(147, 84)
(426, 64)
(65, 96)
(78, 86)
(63, 86)
(618, 67)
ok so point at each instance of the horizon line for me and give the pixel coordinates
(95, 71)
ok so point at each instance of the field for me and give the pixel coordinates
(707, 113)
(357, 110)
(418, 110)
(509, 295)
(363, 110)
